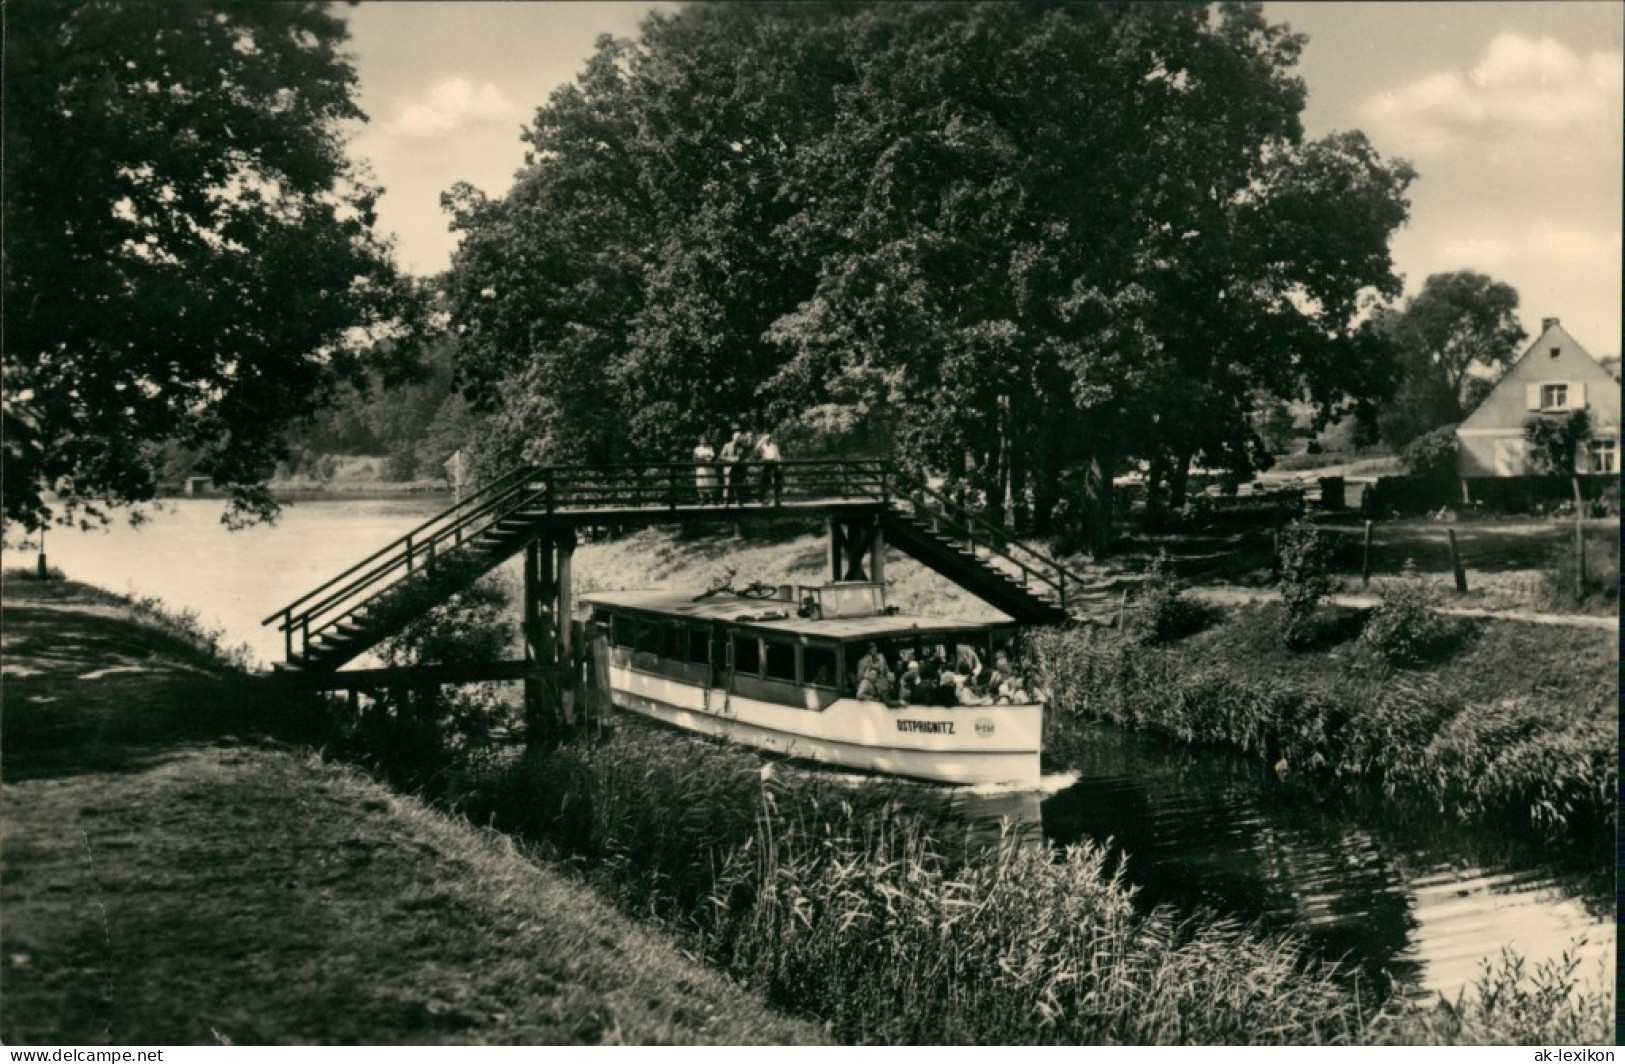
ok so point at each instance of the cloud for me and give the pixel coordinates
(449, 104)
(1539, 246)
(1481, 251)
(1574, 247)
(1520, 85)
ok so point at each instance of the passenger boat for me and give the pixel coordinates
(782, 674)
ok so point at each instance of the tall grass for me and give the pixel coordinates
(842, 905)
(1515, 758)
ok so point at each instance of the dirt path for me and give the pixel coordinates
(1233, 595)
(171, 872)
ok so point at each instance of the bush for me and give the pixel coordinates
(1163, 614)
(422, 739)
(1406, 628)
(1305, 558)
(1432, 457)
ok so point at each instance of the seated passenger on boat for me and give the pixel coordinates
(874, 676)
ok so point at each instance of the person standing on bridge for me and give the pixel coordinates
(705, 472)
(767, 453)
(732, 452)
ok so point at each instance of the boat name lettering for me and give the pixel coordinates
(935, 727)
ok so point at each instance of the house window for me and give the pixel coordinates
(1554, 396)
(1556, 351)
(1604, 456)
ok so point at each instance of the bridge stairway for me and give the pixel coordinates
(993, 564)
(379, 596)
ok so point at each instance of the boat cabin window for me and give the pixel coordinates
(621, 629)
(781, 660)
(674, 642)
(818, 665)
(747, 655)
(699, 646)
(646, 637)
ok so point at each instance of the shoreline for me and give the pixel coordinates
(222, 883)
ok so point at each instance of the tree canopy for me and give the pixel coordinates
(190, 256)
(1019, 245)
(1457, 322)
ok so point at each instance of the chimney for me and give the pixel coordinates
(1549, 323)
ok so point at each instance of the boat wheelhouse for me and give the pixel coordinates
(784, 674)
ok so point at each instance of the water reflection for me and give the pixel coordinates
(1412, 911)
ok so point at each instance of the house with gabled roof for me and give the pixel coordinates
(1553, 377)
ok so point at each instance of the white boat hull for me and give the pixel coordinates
(959, 744)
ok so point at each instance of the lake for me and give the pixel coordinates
(1415, 908)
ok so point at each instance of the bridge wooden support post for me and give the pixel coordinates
(851, 540)
(549, 599)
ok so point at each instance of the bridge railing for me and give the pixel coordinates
(322, 607)
(983, 537)
(537, 492)
(672, 485)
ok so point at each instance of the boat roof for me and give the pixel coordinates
(780, 616)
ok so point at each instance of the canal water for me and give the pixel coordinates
(1413, 908)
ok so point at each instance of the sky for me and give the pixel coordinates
(1511, 113)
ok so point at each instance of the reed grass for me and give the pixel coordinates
(1544, 765)
(844, 906)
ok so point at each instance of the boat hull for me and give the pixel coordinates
(959, 744)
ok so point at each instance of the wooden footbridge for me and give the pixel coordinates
(538, 511)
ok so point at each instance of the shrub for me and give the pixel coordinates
(419, 739)
(1305, 558)
(1432, 457)
(1555, 439)
(1163, 613)
(1405, 627)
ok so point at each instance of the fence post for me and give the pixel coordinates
(1365, 558)
(409, 553)
(1579, 542)
(1455, 564)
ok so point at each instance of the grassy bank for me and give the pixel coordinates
(1517, 726)
(844, 907)
(174, 873)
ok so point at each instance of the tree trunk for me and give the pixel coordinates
(1179, 478)
(1046, 494)
(1156, 481)
(1098, 490)
(1018, 492)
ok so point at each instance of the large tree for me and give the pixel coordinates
(1460, 324)
(1016, 244)
(190, 256)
